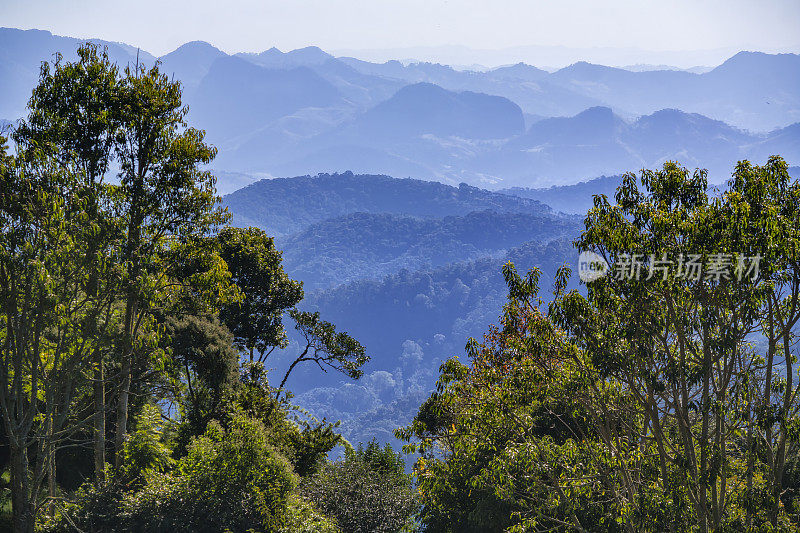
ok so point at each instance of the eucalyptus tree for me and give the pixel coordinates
(47, 319)
(666, 398)
(72, 115)
(167, 203)
(672, 339)
(763, 205)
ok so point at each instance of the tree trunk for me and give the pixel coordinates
(99, 419)
(50, 462)
(23, 517)
(125, 384)
(122, 412)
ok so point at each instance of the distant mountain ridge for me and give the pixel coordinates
(597, 142)
(574, 199)
(305, 112)
(288, 205)
(577, 199)
(424, 108)
(21, 54)
(374, 245)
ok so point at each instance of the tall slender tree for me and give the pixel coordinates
(72, 115)
(166, 199)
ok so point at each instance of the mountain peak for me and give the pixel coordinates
(596, 111)
(194, 51)
(423, 107)
(749, 63)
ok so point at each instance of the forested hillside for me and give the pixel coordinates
(371, 246)
(426, 316)
(284, 206)
(421, 258)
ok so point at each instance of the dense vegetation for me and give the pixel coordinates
(425, 318)
(145, 358)
(647, 405)
(285, 206)
(125, 308)
(373, 246)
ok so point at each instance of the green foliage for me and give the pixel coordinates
(367, 491)
(303, 440)
(146, 452)
(646, 406)
(255, 266)
(204, 365)
(118, 296)
(327, 347)
(229, 481)
(303, 517)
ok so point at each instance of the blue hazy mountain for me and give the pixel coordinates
(190, 63)
(237, 96)
(289, 205)
(362, 89)
(751, 90)
(597, 142)
(576, 199)
(424, 108)
(374, 245)
(304, 111)
(421, 258)
(416, 132)
(302, 57)
(525, 85)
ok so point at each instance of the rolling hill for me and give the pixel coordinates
(372, 246)
(289, 205)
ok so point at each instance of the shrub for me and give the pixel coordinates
(367, 492)
(230, 480)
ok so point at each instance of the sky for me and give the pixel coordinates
(390, 27)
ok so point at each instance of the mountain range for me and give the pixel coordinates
(306, 111)
(411, 268)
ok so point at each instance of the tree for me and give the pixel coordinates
(679, 345)
(325, 347)
(46, 319)
(71, 115)
(165, 202)
(255, 265)
(656, 402)
(205, 365)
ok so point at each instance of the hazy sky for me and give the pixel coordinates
(159, 26)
